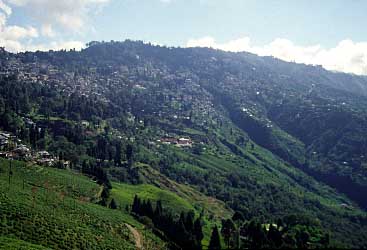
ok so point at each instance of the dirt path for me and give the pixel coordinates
(137, 236)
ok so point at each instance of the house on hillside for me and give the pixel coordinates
(46, 162)
(168, 141)
(21, 152)
(45, 158)
(4, 141)
(85, 124)
(184, 142)
(44, 155)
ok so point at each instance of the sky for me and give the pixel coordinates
(330, 33)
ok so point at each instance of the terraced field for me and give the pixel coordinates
(44, 208)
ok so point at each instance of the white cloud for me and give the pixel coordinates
(51, 15)
(47, 30)
(11, 36)
(70, 15)
(238, 45)
(17, 33)
(347, 56)
(55, 46)
(4, 7)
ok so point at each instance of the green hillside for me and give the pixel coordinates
(48, 208)
(11, 243)
(124, 194)
(60, 205)
(272, 153)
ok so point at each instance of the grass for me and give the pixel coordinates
(53, 208)
(11, 244)
(124, 195)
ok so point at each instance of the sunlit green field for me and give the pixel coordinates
(53, 209)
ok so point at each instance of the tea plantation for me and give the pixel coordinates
(43, 208)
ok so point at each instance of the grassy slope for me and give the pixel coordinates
(60, 215)
(11, 243)
(213, 207)
(175, 197)
(73, 220)
(124, 195)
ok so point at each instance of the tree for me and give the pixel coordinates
(189, 221)
(325, 240)
(147, 222)
(197, 149)
(259, 236)
(274, 236)
(158, 212)
(104, 196)
(238, 217)
(279, 223)
(118, 156)
(302, 238)
(228, 230)
(113, 204)
(198, 230)
(103, 203)
(136, 205)
(149, 209)
(129, 155)
(181, 222)
(10, 172)
(181, 234)
(214, 243)
(255, 234)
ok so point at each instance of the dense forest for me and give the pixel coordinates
(281, 146)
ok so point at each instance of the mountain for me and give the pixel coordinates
(225, 132)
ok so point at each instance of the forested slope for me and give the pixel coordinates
(232, 131)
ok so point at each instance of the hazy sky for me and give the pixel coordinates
(326, 32)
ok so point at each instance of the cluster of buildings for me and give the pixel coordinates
(12, 148)
(181, 142)
(97, 83)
